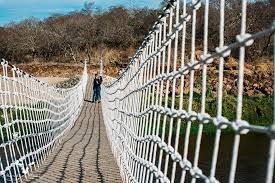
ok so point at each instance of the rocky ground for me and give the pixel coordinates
(258, 78)
(64, 70)
(52, 80)
(68, 83)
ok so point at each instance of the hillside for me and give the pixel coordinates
(55, 46)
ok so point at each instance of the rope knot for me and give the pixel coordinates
(207, 58)
(193, 116)
(196, 172)
(224, 51)
(176, 157)
(241, 126)
(185, 164)
(204, 118)
(221, 122)
(244, 39)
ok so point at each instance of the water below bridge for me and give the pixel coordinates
(252, 161)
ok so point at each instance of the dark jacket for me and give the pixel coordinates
(97, 82)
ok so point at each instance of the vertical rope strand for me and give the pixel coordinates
(240, 97)
(271, 161)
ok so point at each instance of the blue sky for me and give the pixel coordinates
(16, 10)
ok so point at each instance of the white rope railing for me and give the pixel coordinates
(34, 118)
(141, 104)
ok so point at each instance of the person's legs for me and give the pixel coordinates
(96, 94)
(99, 94)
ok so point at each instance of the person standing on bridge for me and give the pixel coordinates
(97, 88)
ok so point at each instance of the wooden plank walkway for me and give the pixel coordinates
(84, 155)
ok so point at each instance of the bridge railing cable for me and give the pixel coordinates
(147, 120)
(34, 117)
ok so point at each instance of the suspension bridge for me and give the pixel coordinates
(142, 130)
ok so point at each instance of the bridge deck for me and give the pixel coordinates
(84, 154)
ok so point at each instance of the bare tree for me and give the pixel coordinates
(75, 35)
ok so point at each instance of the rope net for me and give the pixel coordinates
(34, 118)
(150, 109)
